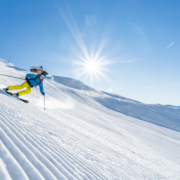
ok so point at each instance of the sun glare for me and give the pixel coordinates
(92, 61)
(92, 66)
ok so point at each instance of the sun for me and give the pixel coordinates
(92, 66)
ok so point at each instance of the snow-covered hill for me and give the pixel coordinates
(84, 134)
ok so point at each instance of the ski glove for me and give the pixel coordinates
(43, 93)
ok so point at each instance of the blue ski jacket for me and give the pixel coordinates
(34, 80)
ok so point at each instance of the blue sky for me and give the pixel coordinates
(137, 42)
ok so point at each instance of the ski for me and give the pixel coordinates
(11, 94)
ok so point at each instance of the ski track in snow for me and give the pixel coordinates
(38, 159)
(77, 138)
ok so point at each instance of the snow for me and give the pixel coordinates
(84, 134)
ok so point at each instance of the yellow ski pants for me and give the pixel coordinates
(23, 85)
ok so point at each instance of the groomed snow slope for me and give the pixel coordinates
(78, 138)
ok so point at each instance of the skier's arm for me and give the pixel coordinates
(31, 76)
(41, 88)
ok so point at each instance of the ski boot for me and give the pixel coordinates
(16, 95)
(6, 89)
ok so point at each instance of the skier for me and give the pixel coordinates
(32, 80)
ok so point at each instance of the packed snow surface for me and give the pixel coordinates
(84, 134)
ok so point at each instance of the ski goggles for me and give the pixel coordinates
(39, 71)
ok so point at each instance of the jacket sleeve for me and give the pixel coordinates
(41, 88)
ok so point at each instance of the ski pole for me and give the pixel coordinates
(11, 76)
(44, 102)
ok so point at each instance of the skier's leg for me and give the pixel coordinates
(17, 87)
(27, 91)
